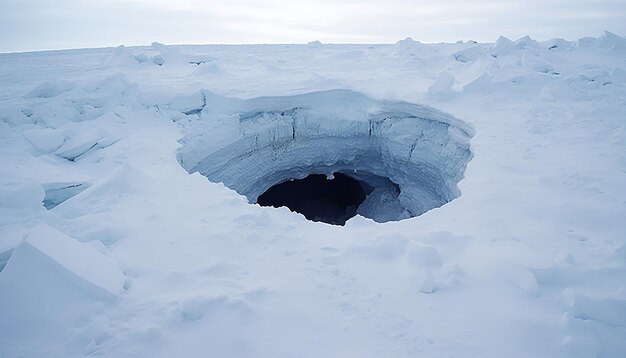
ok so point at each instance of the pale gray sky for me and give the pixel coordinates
(57, 24)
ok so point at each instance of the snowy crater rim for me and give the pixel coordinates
(251, 145)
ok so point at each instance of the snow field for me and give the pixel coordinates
(149, 260)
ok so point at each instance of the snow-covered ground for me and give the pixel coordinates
(110, 247)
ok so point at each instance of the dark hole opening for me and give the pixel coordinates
(332, 201)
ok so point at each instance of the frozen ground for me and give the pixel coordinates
(109, 247)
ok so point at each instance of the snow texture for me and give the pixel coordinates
(129, 175)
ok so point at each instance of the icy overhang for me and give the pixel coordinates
(252, 145)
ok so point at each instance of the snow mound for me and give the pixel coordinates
(406, 47)
(172, 55)
(23, 196)
(469, 54)
(608, 43)
(503, 46)
(50, 89)
(82, 265)
(526, 42)
(45, 140)
(442, 87)
(193, 104)
(56, 279)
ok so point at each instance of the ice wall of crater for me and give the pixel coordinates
(251, 145)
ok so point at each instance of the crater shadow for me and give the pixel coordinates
(319, 198)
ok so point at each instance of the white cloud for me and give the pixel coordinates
(46, 24)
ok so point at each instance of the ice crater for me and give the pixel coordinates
(384, 160)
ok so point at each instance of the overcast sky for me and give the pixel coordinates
(56, 24)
